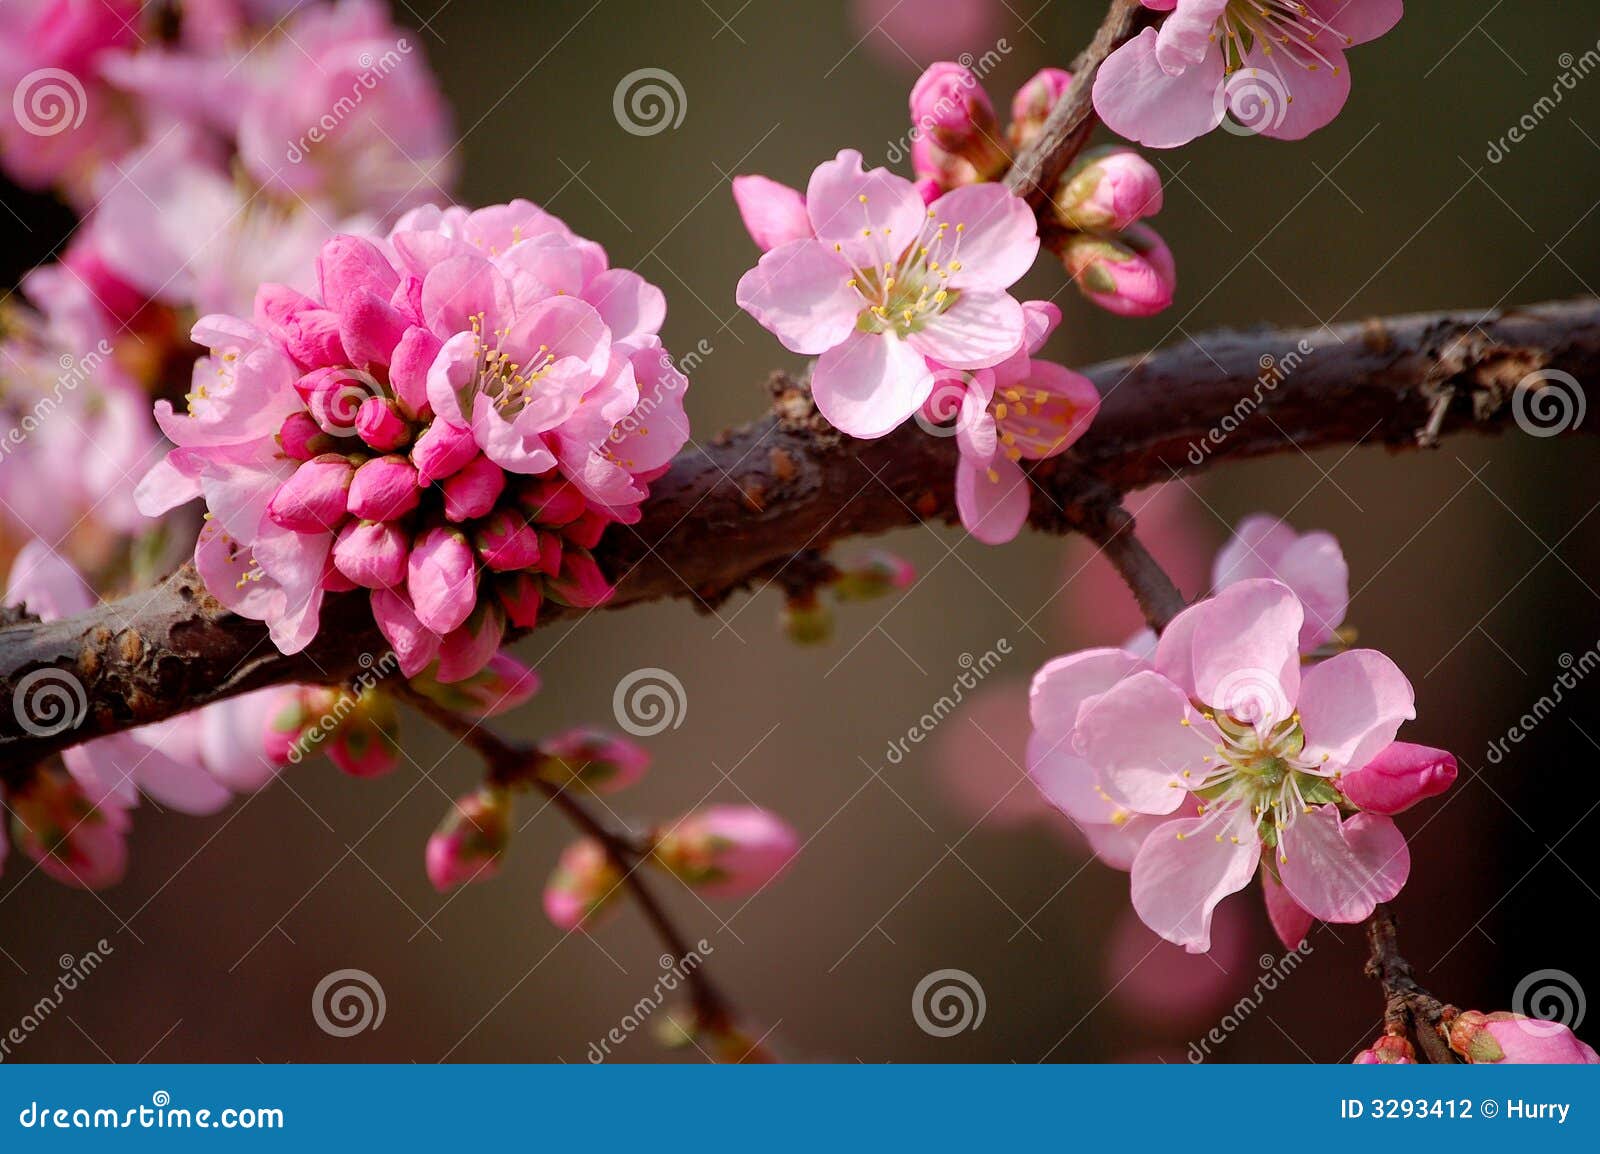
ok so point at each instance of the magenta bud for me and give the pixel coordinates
(1483, 1039)
(334, 397)
(383, 489)
(441, 450)
(502, 684)
(1389, 1050)
(506, 542)
(520, 595)
(472, 491)
(1107, 191)
(949, 105)
(301, 438)
(380, 424)
(1399, 777)
(313, 499)
(580, 584)
(1131, 274)
(372, 554)
(553, 502)
(551, 547)
(587, 530)
(442, 578)
(471, 841)
(1034, 102)
(585, 883)
(367, 740)
(593, 758)
(727, 850)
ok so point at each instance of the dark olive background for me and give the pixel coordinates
(1477, 568)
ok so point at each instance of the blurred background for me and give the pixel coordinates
(1476, 567)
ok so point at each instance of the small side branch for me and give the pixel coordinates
(1409, 1010)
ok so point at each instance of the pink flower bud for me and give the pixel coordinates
(311, 335)
(372, 554)
(468, 649)
(471, 841)
(441, 450)
(313, 499)
(442, 580)
(727, 850)
(774, 214)
(551, 548)
(1399, 777)
(585, 883)
(580, 584)
(1505, 1037)
(600, 761)
(365, 740)
(876, 575)
(334, 396)
(1389, 1050)
(380, 424)
(503, 684)
(1107, 191)
(586, 531)
(74, 841)
(1131, 274)
(521, 595)
(1034, 102)
(383, 489)
(949, 105)
(553, 502)
(938, 171)
(301, 438)
(506, 542)
(472, 491)
(408, 370)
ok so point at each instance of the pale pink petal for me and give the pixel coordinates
(462, 289)
(1340, 870)
(870, 384)
(1049, 410)
(801, 294)
(981, 328)
(1188, 35)
(1068, 782)
(1040, 320)
(774, 214)
(1243, 649)
(47, 584)
(1118, 843)
(1252, 551)
(872, 215)
(1315, 568)
(1314, 97)
(1135, 735)
(992, 499)
(1289, 920)
(632, 307)
(1137, 99)
(1351, 706)
(1357, 21)
(998, 235)
(1062, 685)
(1186, 866)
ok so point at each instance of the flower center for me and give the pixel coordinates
(1286, 31)
(1264, 768)
(505, 382)
(905, 288)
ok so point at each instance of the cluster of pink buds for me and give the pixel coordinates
(957, 137)
(1117, 262)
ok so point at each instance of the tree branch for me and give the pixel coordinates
(731, 513)
(1409, 1010)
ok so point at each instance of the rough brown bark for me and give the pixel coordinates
(1409, 1010)
(733, 511)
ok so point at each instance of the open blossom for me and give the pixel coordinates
(449, 422)
(1279, 65)
(727, 850)
(1482, 1038)
(886, 283)
(1217, 756)
(1022, 409)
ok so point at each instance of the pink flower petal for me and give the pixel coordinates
(844, 202)
(867, 386)
(981, 328)
(1351, 707)
(1340, 870)
(992, 499)
(1137, 99)
(800, 293)
(1186, 866)
(1358, 21)
(1135, 735)
(774, 214)
(999, 235)
(1289, 920)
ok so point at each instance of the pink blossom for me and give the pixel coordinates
(585, 885)
(1033, 104)
(887, 284)
(1505, 1037)
(1131, 273)
(500, 686)
(471, 841)
(1278, 65)
(1312, 564)
(727, 850)
(1108, 190)
(949, 105)
(1217, 756)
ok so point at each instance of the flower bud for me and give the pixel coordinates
(473, 489)
(334, 396)
(949, 105)
(506, 542)
(468, 649)
(937, 170)
(73, 840)
(585, 882)
(311, 336)
(551, 548)
(580, 584)
(301, 438)
(442, 579)
(806, 620)
(876, 575)
(501, 685)
(380, 424)
(441, 450)
(471, 841)
(1389, 1050)
(372, 554)
(521, 595)
(600, 761)
(1131, 274)
(1505, 1037)
(383, 489)
(727, 850)
(553, 502)
(586, 530)
(313, 499)
(1398, 778)
(1033, 103)
(1107, 191)
(366, 739)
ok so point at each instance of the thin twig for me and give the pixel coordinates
(1409, 1010)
